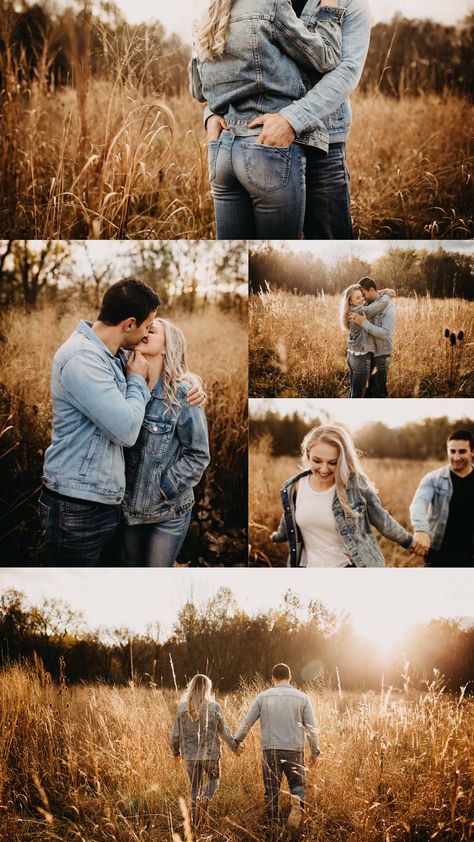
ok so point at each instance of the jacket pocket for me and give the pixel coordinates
(155, 436)
(90, 456)
(267, 167)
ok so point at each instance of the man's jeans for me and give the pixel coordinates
(196, 771)
(155, 544)
(79, 533)
(258, 191)
(359, 371)
(275, 763)
(378, 378)
(328, 209)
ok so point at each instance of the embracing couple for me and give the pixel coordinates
(276, 76)
(129, 438)
(286, 718)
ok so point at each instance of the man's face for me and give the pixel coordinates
(369, 294)
(460, 456)
(133, 333)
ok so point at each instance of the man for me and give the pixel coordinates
(328, 213)
(286, 716)
(381, 328)
(99, 398)
(442, 508)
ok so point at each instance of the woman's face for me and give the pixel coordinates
(323, 459)
(154, 343)
(357, 298)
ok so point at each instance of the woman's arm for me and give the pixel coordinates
(225, 731)
(175, 736)
(186, 472)
(321, 49)
(281, 535)
(384, 522)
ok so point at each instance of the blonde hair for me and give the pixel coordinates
(210, 35)
(344, 309)
(174, 358)
(197, 695)
(348, 467)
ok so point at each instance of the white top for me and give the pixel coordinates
(323, 545)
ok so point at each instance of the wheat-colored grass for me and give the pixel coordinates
(298, 349)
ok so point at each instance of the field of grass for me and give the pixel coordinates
(217, 344)
(395, 480)
(92, 763)
(298, 349)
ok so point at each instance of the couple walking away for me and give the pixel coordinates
(286, 718)
(330, 507)
(129, 438)
(277, 76)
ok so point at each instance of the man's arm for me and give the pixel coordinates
(382, 331)
(420, 505)
(309, 724)
(250, 719)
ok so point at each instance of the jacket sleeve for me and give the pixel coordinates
(310, 727)
(337, 85)
(376, 306)
(384, 522)
(195, 82)
(420, 505)
(384, 330)
(186, 472)
(225, 731)
(250, 719)
(93, 390)
(320, 50)
(281, 535)
(175, 736)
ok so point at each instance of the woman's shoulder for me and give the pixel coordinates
(294, 479)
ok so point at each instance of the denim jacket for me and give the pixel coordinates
(97, 411)
(381, 328)
(258, 73)
(360, 341)
(200, 740)
(354, 529)
(429, 509)
(167, 460)
(286, 717)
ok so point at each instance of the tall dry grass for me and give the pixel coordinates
(395, 479)
(93, 763)
(298, 349)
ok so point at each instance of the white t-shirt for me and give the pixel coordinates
(323, 545)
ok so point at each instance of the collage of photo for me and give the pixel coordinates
(237, 336)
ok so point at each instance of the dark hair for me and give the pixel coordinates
(281, 672)
(127, 299)
(462, 435)
(367, 283)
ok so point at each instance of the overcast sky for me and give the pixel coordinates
(370, 250)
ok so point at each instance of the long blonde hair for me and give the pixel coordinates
(348, 466)
(197, 695)
(345, 306)
(174, 357)
(210, 34)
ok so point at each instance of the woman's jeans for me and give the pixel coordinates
(359, 371)
(155, 544)
(259, 191)
(196, 771)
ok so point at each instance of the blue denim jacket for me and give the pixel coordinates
(360, 340)
(429, 509)
(286, 718)
(258, 73)
(359, 541)
(167, 460)
(200, 740)
(380, 328)
(97, 411)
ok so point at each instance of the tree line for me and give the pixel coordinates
(232, 646)
(441, 274)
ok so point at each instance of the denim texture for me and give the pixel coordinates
(258, 191)
(286, 718)
(167, 460)
(79, 533)
(328, 206)
(381, 327)
(201, 740)
(354, 529)
(361, 340)
(97, 411)
(378, 377)
(155, 544)
(200, 771)
(275, 764)
(359, 372)
(429, 509)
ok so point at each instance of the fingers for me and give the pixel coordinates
(197, 396)
(259, 121)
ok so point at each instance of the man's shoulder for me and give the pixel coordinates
(442, 473)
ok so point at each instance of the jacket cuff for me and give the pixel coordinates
(207, 113)
(331, 13)
(141, 383)
(296, 118)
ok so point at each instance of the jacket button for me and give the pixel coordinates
(155, 428)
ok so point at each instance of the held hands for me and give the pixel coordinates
(239, 750)
(137, 364)
(421, 543)
(214, 126)
(177, 761)
(276, 130)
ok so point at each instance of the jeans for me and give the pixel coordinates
(155, 544)
(275, 763)
(79, 533)
(196, 771)
(378, 378)
(359, 371)
(328, 208)
(258, 191)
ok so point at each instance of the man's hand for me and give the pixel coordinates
(276, 130)
(214, 126)
(137, 364)
(391, 292)
(239, 750)
(357, 318)
(421, 543)
(313, 759)
(196, 395)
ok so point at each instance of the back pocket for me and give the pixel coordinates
(267, 167)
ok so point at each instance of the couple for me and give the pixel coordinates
(276, 76)
(369, 316)
(129, 438)
(286, 718)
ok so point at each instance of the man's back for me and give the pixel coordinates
(286, 717)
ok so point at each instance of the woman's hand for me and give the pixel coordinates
(214, 126)
(358, 318)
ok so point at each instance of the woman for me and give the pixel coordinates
(168, 458)
(361, 345)
(329, 508)
(244, 65)
(197, 730)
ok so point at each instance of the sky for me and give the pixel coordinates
(371, 250)
(355, 413)
(384, 604)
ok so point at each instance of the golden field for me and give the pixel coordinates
(298, 348)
